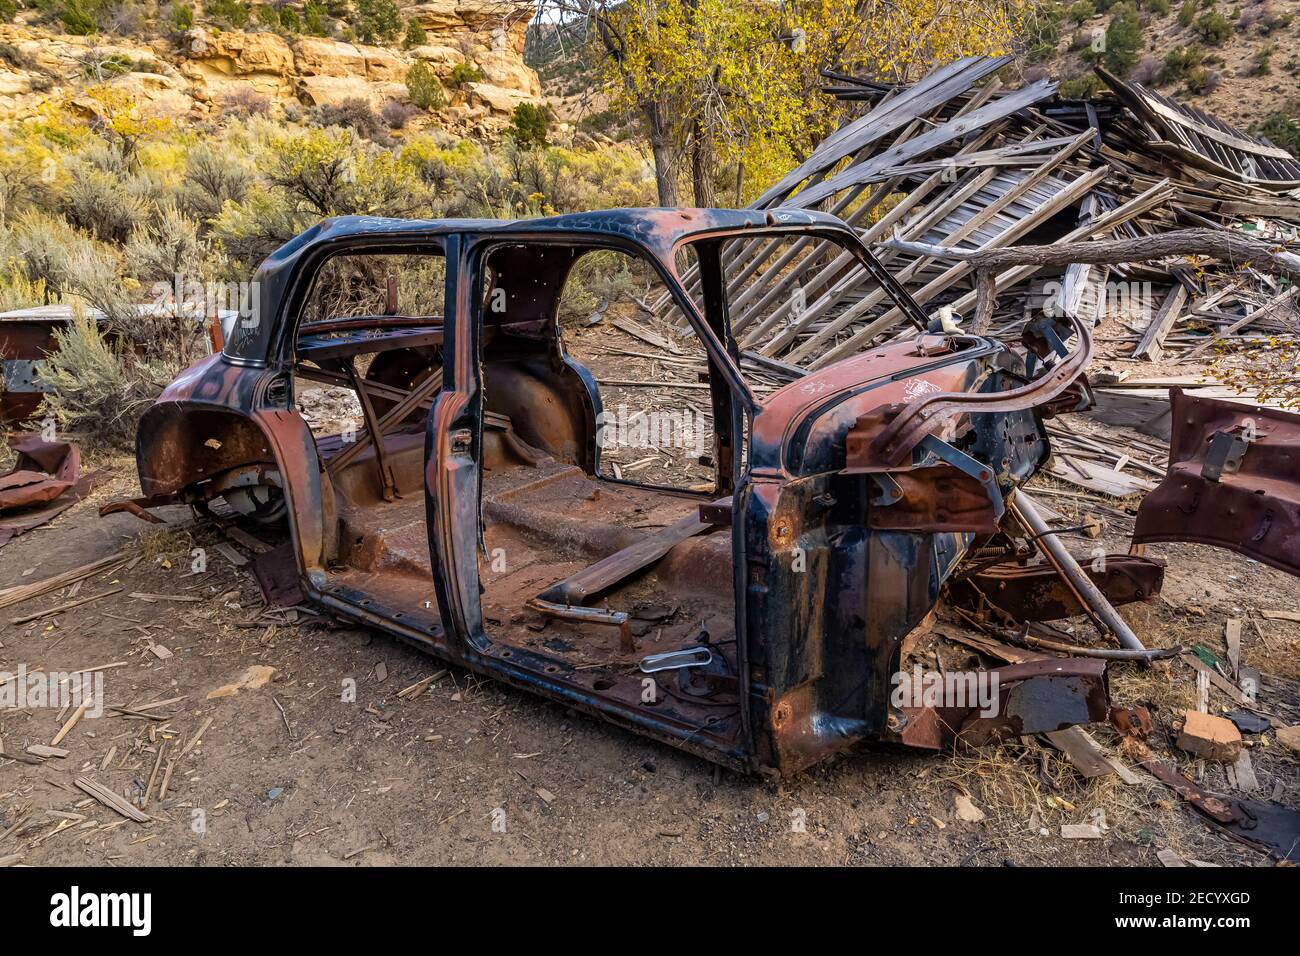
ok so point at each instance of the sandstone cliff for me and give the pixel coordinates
(191, 74)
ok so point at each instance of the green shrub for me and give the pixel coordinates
(46, 245)
(165, 247)
(290, 22)
(8, 10)
(528, 125)
(598, 279)
(229, 13)
(1123, 40)
(212, 177)
(1214, 27)
(1283, 131)
(1082, 10)
(462, 74)
(315, 21)
(99, 68)
(377, 21)
(77, 21)
(1043, 30)
(423, 87)
(1081, 87)
(1158, 7)
(86, 388)
(101, 203)
(1181, 60)
(1187, 13)
(415, 34)
(1271, 22)
(182, 16)
(1201, 80)
(1264, 60)
(100, 390)
(17, 291)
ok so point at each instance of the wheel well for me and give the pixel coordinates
(179, 446)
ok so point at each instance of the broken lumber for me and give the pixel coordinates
(24, 592)
(111, 800)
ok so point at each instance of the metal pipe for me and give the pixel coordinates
(587, 615)
(1076, 579)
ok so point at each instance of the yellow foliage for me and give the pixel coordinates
(749, 70)
(120, 114)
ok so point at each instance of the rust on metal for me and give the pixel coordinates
(1232, 481)
(759, 623)
(1038, 592)
(44, 481)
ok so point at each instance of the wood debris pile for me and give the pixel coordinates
(956, 165)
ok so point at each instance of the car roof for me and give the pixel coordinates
(657, 228)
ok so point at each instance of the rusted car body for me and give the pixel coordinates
(841, 503)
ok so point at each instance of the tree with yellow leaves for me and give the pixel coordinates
(118, 118)
(734, 83)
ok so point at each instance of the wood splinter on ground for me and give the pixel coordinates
(111, 800)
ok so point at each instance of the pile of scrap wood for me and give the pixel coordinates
(943, 177)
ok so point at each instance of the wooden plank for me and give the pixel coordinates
(1244, 771)
(1098, 478)
(228, 552)
(65, 606)
(150, 598)
(1218, 680)
(72, 722)
(578, 588)
(40, 750)
(1072, 193)
(111, 800)
(937, 88)
(1280, 615)
(1087, 755)
(938, 136)
(1232, 638)
(23, 592)
(1143, 412)
(1066, 195)
(639, 331)
(1268, 308)
(1151, 347)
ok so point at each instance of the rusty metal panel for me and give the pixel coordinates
(1233, 481)
(1037, 592)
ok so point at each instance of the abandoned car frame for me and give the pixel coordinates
(841, 504)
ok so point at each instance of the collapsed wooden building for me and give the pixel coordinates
(936, 173)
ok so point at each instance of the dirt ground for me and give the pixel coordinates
(290, 773)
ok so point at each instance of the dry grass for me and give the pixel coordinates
(1024, 788)
(160, 542)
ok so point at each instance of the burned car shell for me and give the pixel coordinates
(839, 550)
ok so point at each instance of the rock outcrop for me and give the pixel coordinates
(193, 74)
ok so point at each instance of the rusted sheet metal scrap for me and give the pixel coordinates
(46, 474)
(1231, 481)
(1038, 593)
(1033, 697)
